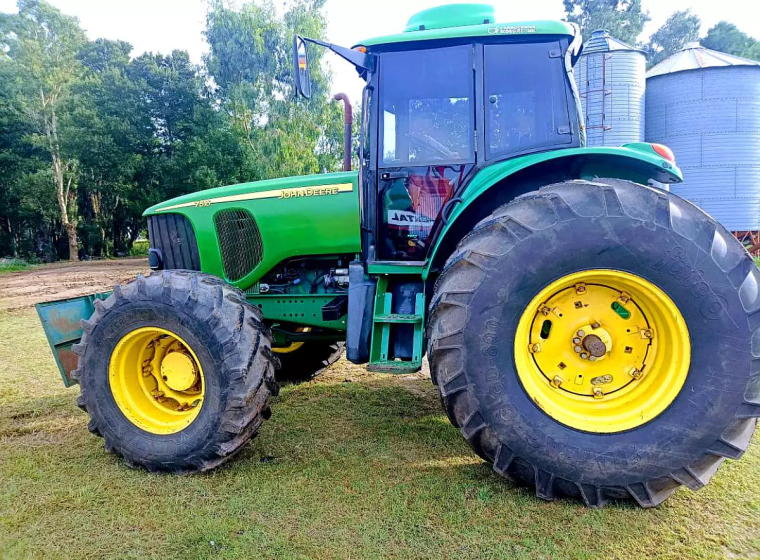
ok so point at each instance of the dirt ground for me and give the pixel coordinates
(19, 290)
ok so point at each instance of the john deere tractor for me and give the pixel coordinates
(590, 334)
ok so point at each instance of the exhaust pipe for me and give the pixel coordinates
(348, 120)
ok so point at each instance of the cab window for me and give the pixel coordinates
(526, 98)
(426, 143)
(427, 115)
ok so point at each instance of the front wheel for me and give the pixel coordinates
(176, 371)
(594, 340)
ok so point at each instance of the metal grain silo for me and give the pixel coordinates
(705, 106)
(611, 81)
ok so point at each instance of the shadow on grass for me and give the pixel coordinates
(397, 427)
(369, 469)
(395, 448)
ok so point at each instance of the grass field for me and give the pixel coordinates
(13, 265)
(354, 466)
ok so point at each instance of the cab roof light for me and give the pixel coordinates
(664, 151)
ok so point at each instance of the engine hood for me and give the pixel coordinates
(270, 188)
(242, 231)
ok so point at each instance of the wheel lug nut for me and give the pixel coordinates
(592, 358)
(576, 340)
(581, 333)
(584, 355)
(577, 349)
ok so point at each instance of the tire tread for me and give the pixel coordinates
(500, 232)
(251, 383)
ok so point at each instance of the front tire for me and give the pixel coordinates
(610, 231)
(175, 371)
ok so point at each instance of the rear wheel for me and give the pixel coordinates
(594, 340)
(302, 361)
(175, 371)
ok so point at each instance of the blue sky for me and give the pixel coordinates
(164, 25)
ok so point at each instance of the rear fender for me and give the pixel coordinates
(501, 182)
(62, 323)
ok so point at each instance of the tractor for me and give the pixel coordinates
(590, 334)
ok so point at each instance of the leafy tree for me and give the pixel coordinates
(100, 55)
(41, 44)
(753, 53)
(679, 29)
(194, 145)
(90, 137)
(726, 37)
(171, 88)
(18, 159)
(112, 135)
(250, 62)
(624, 19)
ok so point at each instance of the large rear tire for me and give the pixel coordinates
(175, 371)
(664, 284)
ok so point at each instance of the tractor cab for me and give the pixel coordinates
(452, 94)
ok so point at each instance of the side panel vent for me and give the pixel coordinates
(173, 235)
(239, 242)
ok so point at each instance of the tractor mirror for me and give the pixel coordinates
(301, 67)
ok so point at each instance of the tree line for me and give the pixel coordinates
(92, 133)
(625, 20)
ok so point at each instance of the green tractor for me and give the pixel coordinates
(590, 334)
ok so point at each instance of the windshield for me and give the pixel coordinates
(427, 110)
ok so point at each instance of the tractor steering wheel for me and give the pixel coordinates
(425, 141)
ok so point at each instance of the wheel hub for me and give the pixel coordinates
(592, 342)
(594, 345)
(178, 371)
(587, 354)
(156, 380)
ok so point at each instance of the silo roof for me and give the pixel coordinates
(693, 57)
(602, 41)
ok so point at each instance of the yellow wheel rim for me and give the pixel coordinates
(602, 351)
(156, 380)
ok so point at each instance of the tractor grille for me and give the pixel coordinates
(173, 236)
(239, 242)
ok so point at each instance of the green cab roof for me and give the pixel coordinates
(455, 21)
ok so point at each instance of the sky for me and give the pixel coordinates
(165, 25)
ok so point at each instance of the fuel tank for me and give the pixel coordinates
(240, 232)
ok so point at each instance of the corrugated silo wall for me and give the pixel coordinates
(710, 118)
(612, 85)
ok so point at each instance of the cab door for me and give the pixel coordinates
(426, 144)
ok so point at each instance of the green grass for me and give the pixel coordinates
(13, 265)
(139, 249)
(363, 469)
